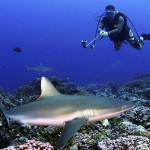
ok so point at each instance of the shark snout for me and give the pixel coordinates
(129, 105)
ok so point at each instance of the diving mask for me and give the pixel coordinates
(110, 14)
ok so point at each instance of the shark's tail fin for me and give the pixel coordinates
(3, 110)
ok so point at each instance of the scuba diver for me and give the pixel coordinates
(116, 28)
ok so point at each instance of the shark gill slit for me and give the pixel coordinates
(88, 113)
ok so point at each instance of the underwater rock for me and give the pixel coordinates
(134, 129)
(146, 93)
(139, 88)
(83, 91)
(110, 88)
(141, 76)
(139, 115)
(93, 87)
(125, 143)
(128, 126)
(141, 131)
(133, 85)
(31, 145)
(5, 99)
(69, 88)
(113, 86)
(28, 89)
(57, 82)
(2, 93)
(63, 86)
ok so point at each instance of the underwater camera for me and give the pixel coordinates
(84, 42)
(92, 46)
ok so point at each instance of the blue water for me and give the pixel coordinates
(50, 32)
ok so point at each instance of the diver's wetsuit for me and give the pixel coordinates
(119, 31)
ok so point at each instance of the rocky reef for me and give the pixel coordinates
(31, 145)
(129, 131)
(125, 143)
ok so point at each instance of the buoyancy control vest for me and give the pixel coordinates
(112, 24)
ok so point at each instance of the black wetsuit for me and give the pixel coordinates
(119, 31)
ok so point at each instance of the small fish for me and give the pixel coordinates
(17, 49)
(105, 122)
(74, 147)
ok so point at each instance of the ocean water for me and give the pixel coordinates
(50, 32)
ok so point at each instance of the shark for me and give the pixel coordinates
(70, 111)
(39, 68)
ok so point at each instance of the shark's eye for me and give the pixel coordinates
(123, 107)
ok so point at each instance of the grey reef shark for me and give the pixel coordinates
(39, 68)
(71, 111)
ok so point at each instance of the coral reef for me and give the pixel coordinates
(138, 88)
(111, 88)
(146, 93)
(31, 145)
(141, 76)
(125, 143)
(139, 115)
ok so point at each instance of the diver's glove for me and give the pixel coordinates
(103, 33)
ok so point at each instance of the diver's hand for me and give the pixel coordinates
(103, 33)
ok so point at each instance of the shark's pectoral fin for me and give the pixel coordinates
(69, 130)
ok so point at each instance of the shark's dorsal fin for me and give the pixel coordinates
(47, 89)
